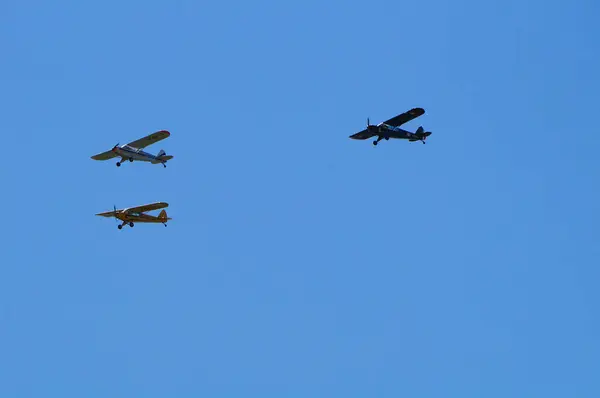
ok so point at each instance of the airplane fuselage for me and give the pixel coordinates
(135, 217)
(385, 131)
(127, 152)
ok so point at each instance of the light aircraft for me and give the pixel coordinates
(391, 128)
(136, 214)
(133, 150)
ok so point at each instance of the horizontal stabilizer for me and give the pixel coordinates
(163, 158)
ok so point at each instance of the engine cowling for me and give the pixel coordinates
(373, 129)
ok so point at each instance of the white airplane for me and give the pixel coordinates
(131, 214)
(133, 150)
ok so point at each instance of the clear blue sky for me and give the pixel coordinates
(300, 263)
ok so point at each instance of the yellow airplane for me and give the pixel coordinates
(136, 214)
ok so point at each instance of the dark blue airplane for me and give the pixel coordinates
(391, 128)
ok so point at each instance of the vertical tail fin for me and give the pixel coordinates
(161, 157)
(422, 134)
(162, 216)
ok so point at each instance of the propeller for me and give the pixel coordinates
(116, 219)
(370, 128)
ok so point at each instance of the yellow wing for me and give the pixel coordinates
(148, 207)
(109, 213)
(150, 139)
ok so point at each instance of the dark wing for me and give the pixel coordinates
(109, 213)
(362, 135)
(104, 155)
(150, 139)
(405, 117)
(148, 207)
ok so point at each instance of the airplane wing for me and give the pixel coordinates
(148, 207)
(405, 117)
(150, 139)
(108, 213)
(104, 155)
(362, 135)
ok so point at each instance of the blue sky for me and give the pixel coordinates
(300, 263)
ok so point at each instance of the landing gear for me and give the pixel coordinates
(118, 164)
(165, 224)
(131, 160)
(164, 165)
(131, 224)
(379, 139)
(120, 226)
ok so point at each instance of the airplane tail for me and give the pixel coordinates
(162, 216)
(421, 133)
(162, 157)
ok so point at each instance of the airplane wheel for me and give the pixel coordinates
(131, 160)
(374, 142)
(118, 164)
(120, 226)
(131, 224)
(387, 138)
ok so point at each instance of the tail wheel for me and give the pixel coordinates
(131, 159)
